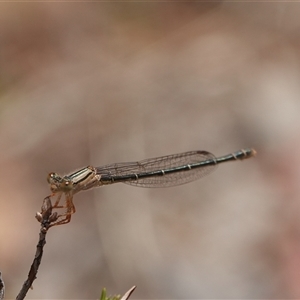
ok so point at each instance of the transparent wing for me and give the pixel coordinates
(163, 163)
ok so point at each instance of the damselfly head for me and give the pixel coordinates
(58, 183)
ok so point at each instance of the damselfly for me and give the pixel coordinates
(164, 171)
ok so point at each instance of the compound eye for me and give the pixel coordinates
(66, 185)
(51, 177)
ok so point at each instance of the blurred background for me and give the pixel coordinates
(97, 83)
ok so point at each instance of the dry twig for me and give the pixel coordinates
(45, 217)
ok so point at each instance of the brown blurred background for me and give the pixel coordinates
(97, 83)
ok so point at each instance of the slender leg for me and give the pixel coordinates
(55, 205)
(66, 217)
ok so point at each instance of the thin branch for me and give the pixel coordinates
(47, 220)
(45, 217)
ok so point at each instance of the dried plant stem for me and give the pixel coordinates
(45, 217)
